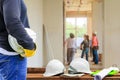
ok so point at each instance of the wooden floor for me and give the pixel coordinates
(37, 76)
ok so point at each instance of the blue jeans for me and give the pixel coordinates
(85, 51)
(95, 56)
(12, 68)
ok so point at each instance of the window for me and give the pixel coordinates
(77, 26)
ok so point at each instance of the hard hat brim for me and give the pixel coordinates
(48, 74)
(75, 71)
(89, 72)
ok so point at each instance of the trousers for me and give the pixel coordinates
(95, 56)
(85, 51)
(12, 67)
(70, 54)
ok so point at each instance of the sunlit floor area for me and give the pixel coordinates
(92, 65)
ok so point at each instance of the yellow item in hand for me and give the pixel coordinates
(28, 53)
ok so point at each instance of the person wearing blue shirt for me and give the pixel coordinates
(13, 20)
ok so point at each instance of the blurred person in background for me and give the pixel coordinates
(85, 47)
(71, 47)
(95, 48)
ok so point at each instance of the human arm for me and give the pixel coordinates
(81, 45)
(14, 26)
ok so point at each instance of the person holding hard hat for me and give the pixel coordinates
(15, 41)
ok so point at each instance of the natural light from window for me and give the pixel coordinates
(77, 26)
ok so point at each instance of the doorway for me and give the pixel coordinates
(78, 20)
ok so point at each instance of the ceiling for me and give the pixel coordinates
(79, 5)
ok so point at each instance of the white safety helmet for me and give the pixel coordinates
(54, 67)
(79, 65)
(31, 33)
(14, 44)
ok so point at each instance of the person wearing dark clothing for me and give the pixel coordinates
(13, 20)
(85, 46)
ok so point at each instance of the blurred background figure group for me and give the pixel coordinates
(87, 46)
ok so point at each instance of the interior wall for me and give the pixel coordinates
(111, 32)
(36, 20)
(89, 25)
(53, 22)
(98, 23)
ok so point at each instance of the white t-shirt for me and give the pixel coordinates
(71, 43)
(5, 52)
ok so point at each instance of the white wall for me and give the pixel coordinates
(98, 23)
(111, 32)
(52, 10)
(53, 21)
(106, 22)
(35, 8)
